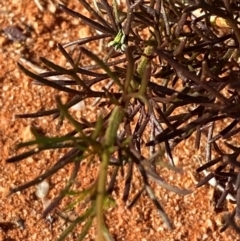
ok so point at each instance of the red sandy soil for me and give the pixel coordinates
(192, 215)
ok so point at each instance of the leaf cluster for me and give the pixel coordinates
(173, 72)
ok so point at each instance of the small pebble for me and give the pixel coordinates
(42, 189)
(14, 33)
(20, 223)
(79, 106)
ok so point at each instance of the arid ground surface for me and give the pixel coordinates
(192, 215)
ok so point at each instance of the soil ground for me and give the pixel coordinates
(193, 216)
